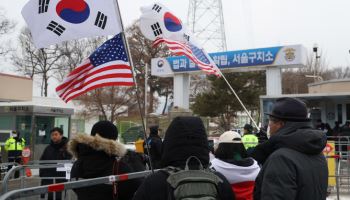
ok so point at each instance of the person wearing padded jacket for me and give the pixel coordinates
(294, 166)
(98, 155)
(233, 162)
(185, 137)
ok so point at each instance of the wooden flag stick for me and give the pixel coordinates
(239, 100)
(136, 85)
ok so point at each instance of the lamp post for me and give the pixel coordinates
(315, 50)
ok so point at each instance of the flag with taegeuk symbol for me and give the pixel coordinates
(55, 21)
(160, 25)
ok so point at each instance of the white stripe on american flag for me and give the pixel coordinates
(96, 75)
(183, 49)
(128, 81)
(89, 69)
(90, 75)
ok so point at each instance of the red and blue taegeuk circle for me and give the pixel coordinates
(73, 11)
(172, 23)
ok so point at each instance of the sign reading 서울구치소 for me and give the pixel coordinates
(284, 56)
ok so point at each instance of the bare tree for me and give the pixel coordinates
(142, 52)
(340, 72)
(109, 102)
(74, 53)
(295, 81)
(6, 26)
(31, 61)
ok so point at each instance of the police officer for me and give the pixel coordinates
(14, 146)
(250, 141)
(154, 143)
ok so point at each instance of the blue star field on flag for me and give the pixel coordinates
(111, 50)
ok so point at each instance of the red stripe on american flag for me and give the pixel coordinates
(71, 78)
(183, 49)
(93, 72)
(179, 51)
(79, 69)
(83, 84)
(99, 86)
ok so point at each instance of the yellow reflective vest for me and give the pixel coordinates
(250, 141)
(11, 145)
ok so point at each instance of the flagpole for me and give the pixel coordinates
(239, 100)
(136, 86)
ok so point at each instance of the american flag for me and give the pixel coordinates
(107, 66)
(197, 55)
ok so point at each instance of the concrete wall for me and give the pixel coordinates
(330, 87)
(15, 88)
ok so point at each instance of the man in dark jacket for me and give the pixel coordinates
(154, 143)
(295, 168)
(98, 155)
(56, 150)
(184, 138)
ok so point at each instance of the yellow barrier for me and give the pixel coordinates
(139, 146)
(329, 152)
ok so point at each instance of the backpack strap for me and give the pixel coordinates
(189, 159)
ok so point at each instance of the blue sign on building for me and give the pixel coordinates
(229, 59)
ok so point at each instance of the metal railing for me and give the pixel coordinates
(47, 164)
(27, 192)
(341, 158)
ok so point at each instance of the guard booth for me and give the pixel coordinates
(34, 120)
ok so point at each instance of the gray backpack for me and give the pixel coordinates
(187, 184)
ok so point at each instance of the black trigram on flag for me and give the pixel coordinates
(157, 8)
(56, 28)
(101, 20)
(43, 6)
(156, 29)
(186, 37)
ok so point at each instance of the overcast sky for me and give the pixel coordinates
(255, 23)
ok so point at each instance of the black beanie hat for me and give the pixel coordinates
(105, 129)
(289, 109)
(248, 127)
(153, 130)
(185, 137)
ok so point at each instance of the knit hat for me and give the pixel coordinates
(153, 130)
(248, 127)
(230, 137)
(185, 137)
(105, 129)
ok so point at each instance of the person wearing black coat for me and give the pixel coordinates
(56, 150)
(98, 155)
(294, 167)
(154, 143)
(185, 137)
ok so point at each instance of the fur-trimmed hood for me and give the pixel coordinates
(98, 143)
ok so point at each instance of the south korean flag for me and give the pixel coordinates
(158, 21)
(55, 21)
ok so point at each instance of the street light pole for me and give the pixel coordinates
(315, 50)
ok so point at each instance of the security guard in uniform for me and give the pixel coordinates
(250, 141)
(14, 146)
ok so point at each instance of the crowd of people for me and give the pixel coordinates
(288, 165)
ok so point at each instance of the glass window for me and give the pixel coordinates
(24, 126)
(63, 123)
(77, 127)
(340, 113)
(7, 122)
(43, 126)
(347, 111)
